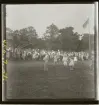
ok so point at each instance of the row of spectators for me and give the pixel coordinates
(38, 54)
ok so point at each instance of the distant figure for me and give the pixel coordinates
(71, 64)
(65, 60)
(24, 55)
(75, 59)
(46, 59)
(55, 59)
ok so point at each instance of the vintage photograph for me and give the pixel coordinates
(49, 51)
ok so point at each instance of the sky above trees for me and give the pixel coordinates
(42, 15)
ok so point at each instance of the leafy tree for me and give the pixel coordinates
(67, 38)
(54, 38)
(52, 32)
(9, 36)
(16, 38)
(28, 34)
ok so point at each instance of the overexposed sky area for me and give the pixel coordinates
(42, 15)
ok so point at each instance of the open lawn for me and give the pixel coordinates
(28, 80)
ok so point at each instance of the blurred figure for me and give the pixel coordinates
(75, 59)
(55, 59)
(46, 59)
(71, 64)
(65, 60)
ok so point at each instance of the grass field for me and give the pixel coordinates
(28, 80)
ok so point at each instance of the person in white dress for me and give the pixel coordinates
(71, 64)
(65, 60)
(24, 55)
(46, 59)
(75, 59)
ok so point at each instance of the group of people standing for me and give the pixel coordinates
(64, 57)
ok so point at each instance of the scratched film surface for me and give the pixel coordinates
(50, 51)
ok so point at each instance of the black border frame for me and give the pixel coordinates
(53, 101)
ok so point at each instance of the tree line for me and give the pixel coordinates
(53, 39)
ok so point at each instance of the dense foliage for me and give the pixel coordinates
(53, 38)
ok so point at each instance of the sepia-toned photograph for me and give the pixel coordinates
(49, 51)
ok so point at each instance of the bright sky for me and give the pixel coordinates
(42, 15)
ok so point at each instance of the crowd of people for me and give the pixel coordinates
(56, 57)
(38, 54)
